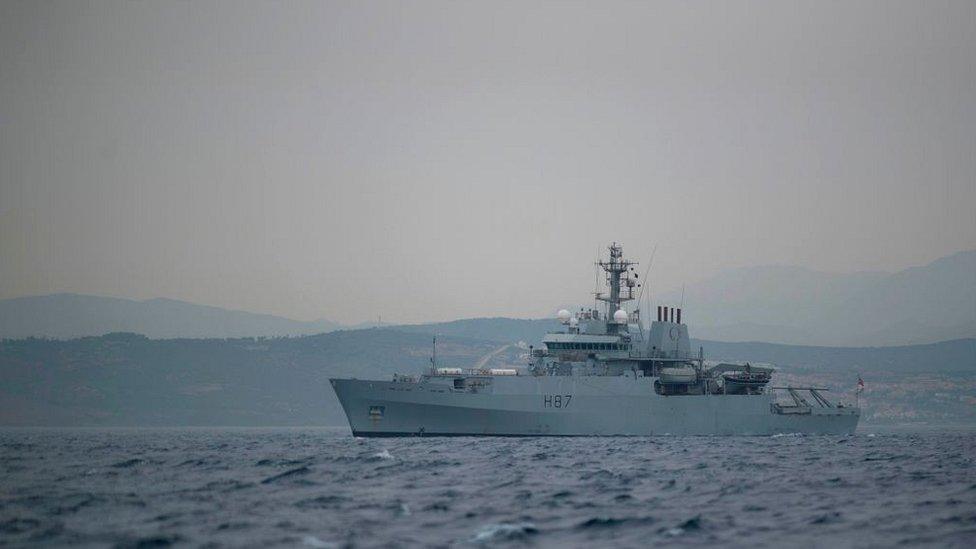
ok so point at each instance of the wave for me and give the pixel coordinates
(287, 474)
(504, 532)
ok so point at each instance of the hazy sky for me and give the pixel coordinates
(426, 161)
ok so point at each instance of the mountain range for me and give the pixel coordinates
(129, 379)
(934, 302)
(72, 315)
(775, 304)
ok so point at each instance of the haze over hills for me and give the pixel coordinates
(128, 379)
(72, 315)
(799, 306)
(935, 302)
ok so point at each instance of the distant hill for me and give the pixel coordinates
(503, 330)
(793, 305)
(790, 305)
(73, 315)
(954, 356)
(129, 379)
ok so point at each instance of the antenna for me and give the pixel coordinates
(640, 294)
(682, 304)
(596, 277)
(433, 358)
(643, 284)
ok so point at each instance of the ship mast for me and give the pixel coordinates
(618, 278)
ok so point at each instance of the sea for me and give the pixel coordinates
(317, 487)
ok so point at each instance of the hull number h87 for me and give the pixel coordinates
(556, 401)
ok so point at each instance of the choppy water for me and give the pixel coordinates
(323, 488)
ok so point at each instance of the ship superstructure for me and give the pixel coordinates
(604, 373)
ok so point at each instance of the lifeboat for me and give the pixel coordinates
(742, 383)
(678, 376)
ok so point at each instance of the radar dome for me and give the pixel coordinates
(620, 316)
(563, 315)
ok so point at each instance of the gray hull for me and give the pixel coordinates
(569, 406)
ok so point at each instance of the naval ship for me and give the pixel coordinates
(604, 374)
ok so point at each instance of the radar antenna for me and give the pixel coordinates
(618, 279)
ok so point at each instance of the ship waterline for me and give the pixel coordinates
(604, 374)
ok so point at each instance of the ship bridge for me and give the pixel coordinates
(585, 342)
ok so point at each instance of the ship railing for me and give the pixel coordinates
(494, 372)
